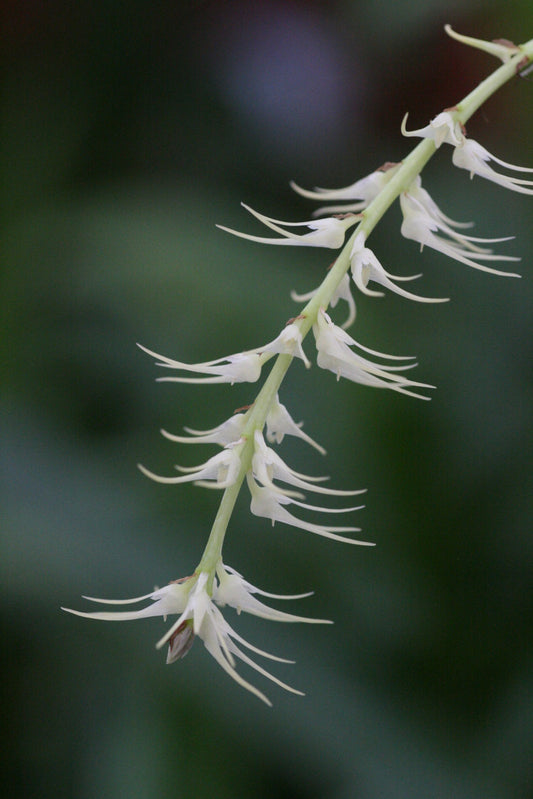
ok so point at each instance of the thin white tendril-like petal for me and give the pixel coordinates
(166, 601)
(242, 367)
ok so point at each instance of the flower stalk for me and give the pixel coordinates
(245, 457)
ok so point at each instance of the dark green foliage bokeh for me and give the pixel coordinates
(128, 132)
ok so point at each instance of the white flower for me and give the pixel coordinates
(423, 221)
(363, 191)
(268, 466)
(365, 268)
(443, 129)
(288, 342)
(233, 590)
(242, 367)
(198, 615)
(474, 158)
(342, 292)
(267, 503)
(328, 232)
(279, 423)
(469, 154)
(334, 353)
(222, 468)
(229, 432)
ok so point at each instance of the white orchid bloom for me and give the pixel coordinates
(267, 503)
(443, 129)
(241, 367)
(328, 232)
(220, 471)
(233, 590)
(267, 466)
(199, 616)
(334, 353)
(229, 432)
(422, 225)
(366, 268)
(289, 342)
(473, 157)
(342, 292)
(279, 424)
(363, 191)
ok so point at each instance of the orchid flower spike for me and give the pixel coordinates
(363, 191)
(328, 232)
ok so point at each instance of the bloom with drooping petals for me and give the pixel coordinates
(199, 616)
(443, 129)
(241, 367)
(328, 232)
(335, 353)
(267, 466)
(342, 292)
(279, 423)
(473, 157)
(469, 154)
(423, 222)
(363, 191)
(229, 432)
(268, 502)
(366, 268)
(220, 471)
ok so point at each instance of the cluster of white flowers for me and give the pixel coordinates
(197, 607)
(245, 455)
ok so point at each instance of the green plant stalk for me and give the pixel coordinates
(410, 167)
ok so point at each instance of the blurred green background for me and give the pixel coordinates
(128, 131)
